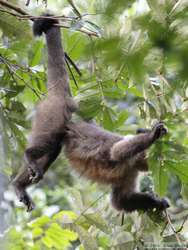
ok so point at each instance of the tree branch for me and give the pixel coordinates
(21, 14)
(13, 7)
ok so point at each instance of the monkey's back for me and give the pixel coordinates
(88, 149)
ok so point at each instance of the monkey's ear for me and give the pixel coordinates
(43, 24)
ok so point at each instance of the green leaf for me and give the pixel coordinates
(114, 93)
(135, 91)
(76, 199)
(11, 26)
(37, 53)
(37, 231)
(58, 237)
(180, 168)
(122, 117)
(65, 216)
(47, 241)
(89, 108)
(17, 106)
(20, 137)
(108, 119)
(15, 90)
(40, 222)
(88, 241)
(98, 221)
(161, 181)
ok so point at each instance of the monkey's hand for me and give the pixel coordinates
(24, 197)
(158, 131)
(162, 204)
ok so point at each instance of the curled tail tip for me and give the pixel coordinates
(41, 25)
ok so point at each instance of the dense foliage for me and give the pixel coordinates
(133, 56)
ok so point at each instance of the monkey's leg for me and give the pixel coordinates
(23, 180)
(138, 143)
(32, 156)
(137, 201)
(41, 146)
(37, 168)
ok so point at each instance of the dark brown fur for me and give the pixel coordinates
(97, 154)
(108, 158)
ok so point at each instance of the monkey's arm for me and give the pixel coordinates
(130, 202)
(138, 143)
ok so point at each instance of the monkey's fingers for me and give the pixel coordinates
(163, 204)
(30, 206)
(27, 201)
(159, 130)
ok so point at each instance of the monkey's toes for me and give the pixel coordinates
(31, 172)
(35, 175)
(35, 179)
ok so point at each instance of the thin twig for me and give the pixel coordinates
(122, 218)
(76, 11)
(11, 13)
(27, 3)
(172, 227)
(73, 64)
(70, 70)
(119, 72)
(166, 223)
(91, 205)
(87, 32)
(13, 72)
(182, 225)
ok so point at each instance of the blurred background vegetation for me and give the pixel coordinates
(133, 56)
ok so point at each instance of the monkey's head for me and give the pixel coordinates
(43, 24)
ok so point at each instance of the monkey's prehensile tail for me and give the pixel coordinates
(58, 81)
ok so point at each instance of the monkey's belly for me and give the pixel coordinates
(99, 172)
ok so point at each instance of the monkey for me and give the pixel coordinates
(97, 154)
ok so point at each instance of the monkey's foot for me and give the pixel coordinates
(162, 204)
(159, 130)
(24, 197)
(35, 175)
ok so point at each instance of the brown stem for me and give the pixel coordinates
(13, 7)
(173, 229)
